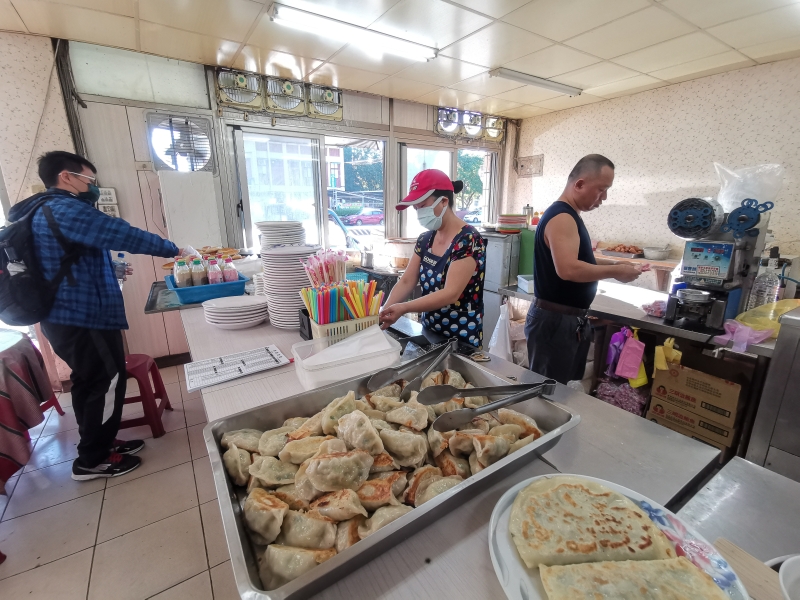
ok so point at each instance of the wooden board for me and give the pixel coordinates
(761, 581)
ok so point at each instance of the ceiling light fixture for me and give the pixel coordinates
(348, 33)
(535, 81)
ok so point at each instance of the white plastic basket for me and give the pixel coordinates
(341, 329)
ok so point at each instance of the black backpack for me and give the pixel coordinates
(26, 296)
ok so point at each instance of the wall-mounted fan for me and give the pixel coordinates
(471, 124)
(180, 143)
(494, 128)
(239, 89)
(284, 96)
(448, 122)
(324, 102)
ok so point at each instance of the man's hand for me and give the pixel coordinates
(390, 314)
(626, 272)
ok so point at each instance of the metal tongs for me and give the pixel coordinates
(456, 418)
(387, 376)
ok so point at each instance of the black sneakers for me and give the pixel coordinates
(128, 446)
(115, 465)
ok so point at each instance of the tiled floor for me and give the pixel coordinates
(154, 533)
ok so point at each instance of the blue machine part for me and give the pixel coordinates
(742, 220)
(695, 218)
(708, 260)
(734, 300)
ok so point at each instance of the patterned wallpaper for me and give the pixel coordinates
(26, 73)
(664, 143)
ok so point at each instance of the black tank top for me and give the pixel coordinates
(547, 284)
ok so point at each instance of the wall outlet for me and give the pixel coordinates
(530, 166)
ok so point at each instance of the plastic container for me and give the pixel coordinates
(229, 272)
(195, 295)
(342, 329)
(765, 290)
(357, 276)
(183, 276)
(338, 370)
(199, 275)
(652, 253)
(525, 283)
(214, 273)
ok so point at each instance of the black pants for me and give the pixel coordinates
(97, 360)
(557, 344)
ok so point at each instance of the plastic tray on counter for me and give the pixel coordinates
(621, 254)
(201, 293)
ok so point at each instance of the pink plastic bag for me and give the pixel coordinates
(742, 335)
(630, 358)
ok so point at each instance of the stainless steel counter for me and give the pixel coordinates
(754, 508)
(622, 304)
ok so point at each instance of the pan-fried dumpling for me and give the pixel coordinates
(339, 506)
(273, 472)
(421, 434)
(305, 489)
(449, 406)
(435, 487)
(436, 442)
(338, 471)
(383, 462)
(416, 479)
(381, 518)
(272, 442)
(375, 493)
(385, 403)
(245, 439)
(377, 415)
(474, 466)
(521, 443)
(363, 405)
(412, 414)
(335, 410)
(380, 424)
(309, 428)
(347, 532)
(475, 401)
(454, 378)
(331, 446)
(357, 432)
(307, 530)
(451, 465)
(282, 564)
(392, 390)
(435, 378)
(460, 444)
(489, 448)
(510, 432)
(264, 514)
(290, 495)
(511, 417)
(237, 463)
(298, 451)
(295, 422)
(407, 448)
(399, 480)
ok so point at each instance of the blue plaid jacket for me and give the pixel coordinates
(95, 301)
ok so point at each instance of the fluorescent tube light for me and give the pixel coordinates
(348, 33)
(535, 81)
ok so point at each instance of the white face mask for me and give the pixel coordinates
(427, 217)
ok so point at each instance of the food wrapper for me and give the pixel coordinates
(766, 317)
(666, 354)
(623, 396)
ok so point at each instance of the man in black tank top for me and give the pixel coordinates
(565, 274)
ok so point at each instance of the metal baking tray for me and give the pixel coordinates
(554, 419)
(621, 254)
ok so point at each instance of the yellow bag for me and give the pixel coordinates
(641, 376)
(766, 316)
(666, 354)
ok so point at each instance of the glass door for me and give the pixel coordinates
(415, 160)
(279, 179)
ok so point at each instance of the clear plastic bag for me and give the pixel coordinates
(766, 316)
(500, 343)
(761, 182)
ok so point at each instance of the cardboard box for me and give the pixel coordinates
(725, 451)
(705, 395)
(676, 415)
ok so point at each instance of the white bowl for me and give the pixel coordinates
(789, 576)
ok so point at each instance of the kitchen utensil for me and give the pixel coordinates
(652, 253)
(790, 578)
(692, 296)
(442, 393)
(387, 376)
(414, 384)
(456, 418)
(367, 260)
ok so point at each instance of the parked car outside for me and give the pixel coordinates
(366, 216)
(338, 235)
(474, 216)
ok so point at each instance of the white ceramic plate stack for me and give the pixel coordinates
(284, 276)
(236, 312)
(281, 232)
(258, 284)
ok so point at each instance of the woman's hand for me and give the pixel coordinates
(390, 314)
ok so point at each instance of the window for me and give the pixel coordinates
(276, 169)
(276, 147)
(295, 173)
(334, 152)
(292, 149)
(419, 159)
(475, 169)
(263, 172)
(333, 175)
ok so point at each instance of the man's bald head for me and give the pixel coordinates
(591, 164)
(588, 183)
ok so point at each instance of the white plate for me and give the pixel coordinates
(273, 224)
(250, 317)
(291, 250)
(521, 583)
(233, 302)
(240, 325)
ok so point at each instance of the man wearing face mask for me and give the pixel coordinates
(448, 263)
(85, 323)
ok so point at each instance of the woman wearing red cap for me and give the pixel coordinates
(448, 263)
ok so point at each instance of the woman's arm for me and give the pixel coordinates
(405, 285)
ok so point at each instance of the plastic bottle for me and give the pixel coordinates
(120, 266)
(229, 272)
(183, 276)
(199, 275)
(214, 272)
(765, 290)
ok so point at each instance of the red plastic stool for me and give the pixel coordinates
(142, 368)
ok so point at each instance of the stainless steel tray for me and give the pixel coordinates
(551, 417)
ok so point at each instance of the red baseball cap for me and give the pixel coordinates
(423, 185)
